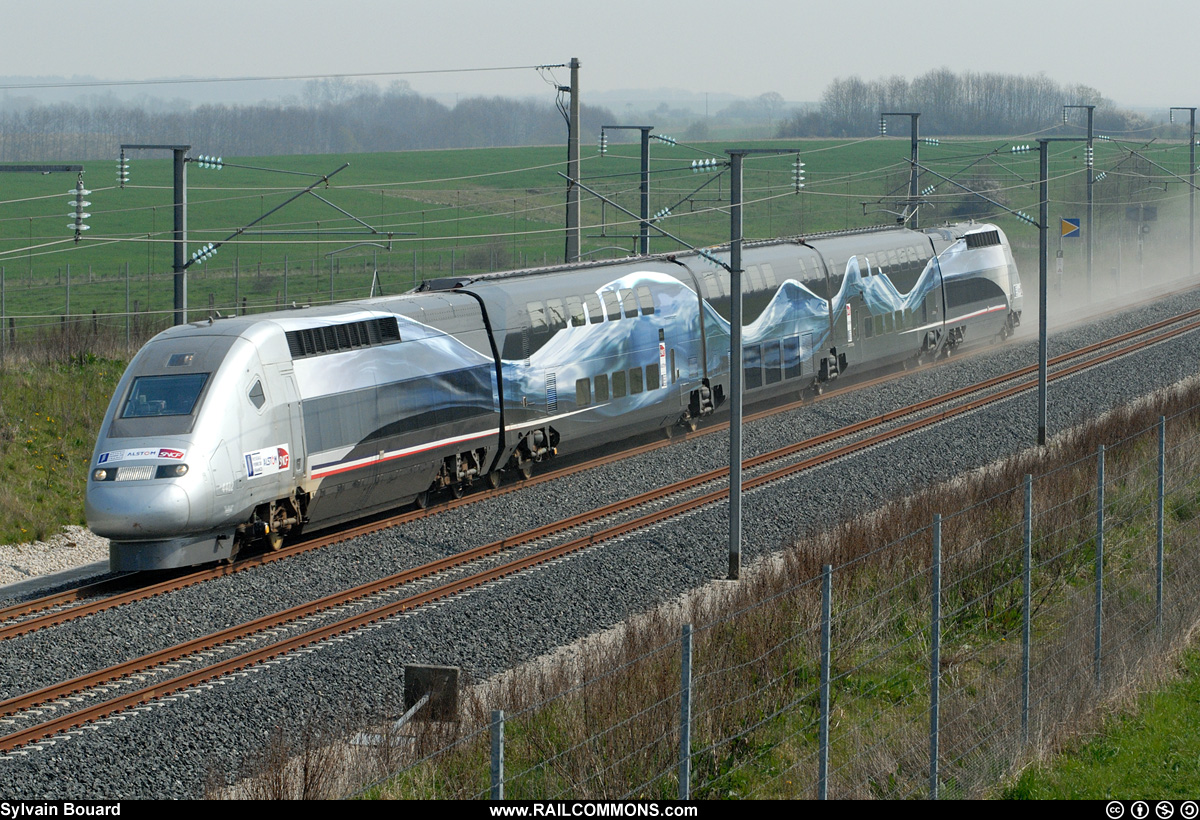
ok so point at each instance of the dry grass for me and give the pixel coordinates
(602, 721)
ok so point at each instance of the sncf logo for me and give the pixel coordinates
(283, 458)
(166, 452)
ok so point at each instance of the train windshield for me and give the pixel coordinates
(164, 395)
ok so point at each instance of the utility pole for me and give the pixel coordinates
(916, 141)
(1091, 181)
(572, 249)
(1192, 185)
(644, 189)
(736, 365)
(179, 239)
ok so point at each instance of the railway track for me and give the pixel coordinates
(181, 669)
(62, 607)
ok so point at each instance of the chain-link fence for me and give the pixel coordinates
(861, 664)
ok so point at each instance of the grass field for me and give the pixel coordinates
(1151, 751)
(410, 215)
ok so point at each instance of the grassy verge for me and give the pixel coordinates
(604, 725)
(1151, 751)
(50, 413)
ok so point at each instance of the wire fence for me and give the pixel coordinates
(927, 665)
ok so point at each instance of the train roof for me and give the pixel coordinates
(948, 232)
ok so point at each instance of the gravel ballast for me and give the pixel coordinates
(170, 751)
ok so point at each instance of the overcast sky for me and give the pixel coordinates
(1135, 53)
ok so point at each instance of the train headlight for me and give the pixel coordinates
(171, 471)
(99, 475)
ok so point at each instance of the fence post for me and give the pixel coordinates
(497, 791)
(1099, 561)
(237, 284)
(935, 654)
(126, 307)
(1027, 609)
(823, 732)
(285, 281)
(685, 715)
(1162, 501)
(68, 311)
(2, 312)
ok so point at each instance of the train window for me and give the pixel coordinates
(653, 380)
(755, 279)
(772, 362)
(575, 308)
(629, 300)
(711, 286)
(791, 357)
(888, 326)
(583, 392)
(865, 266)
(537, 316)
(752, 360)
(256, 395)
(555, 315)
(618, 384)
(611, 306)
(769, 276)
(893, 259)
(595, 311)
(646, 300)
(899, 320)
(723, 278)
(908, 317)
(868, 327)
(602, 387)
(635, 381)
(163, 395)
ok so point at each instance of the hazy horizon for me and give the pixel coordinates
(483, 49)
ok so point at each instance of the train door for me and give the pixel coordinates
(293, 425)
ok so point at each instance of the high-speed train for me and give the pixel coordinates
(229, 430)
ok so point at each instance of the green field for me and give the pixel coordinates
(411, 215)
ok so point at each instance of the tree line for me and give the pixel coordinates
(346, 116)
(967, 104)
(334, 116)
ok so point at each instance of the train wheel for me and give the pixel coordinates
(422, 500)
(692, 423)
(527, 468)
(458, 490)
(494, 479)
(274, 540)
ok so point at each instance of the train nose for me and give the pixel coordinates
(146, 511)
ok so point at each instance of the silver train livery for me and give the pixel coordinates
(234, 429)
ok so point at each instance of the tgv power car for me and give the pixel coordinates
(228, 430)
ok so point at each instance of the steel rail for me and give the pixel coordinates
(176, 583)
(176, 684)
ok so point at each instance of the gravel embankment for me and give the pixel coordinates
(72, 548)
(170, 751)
